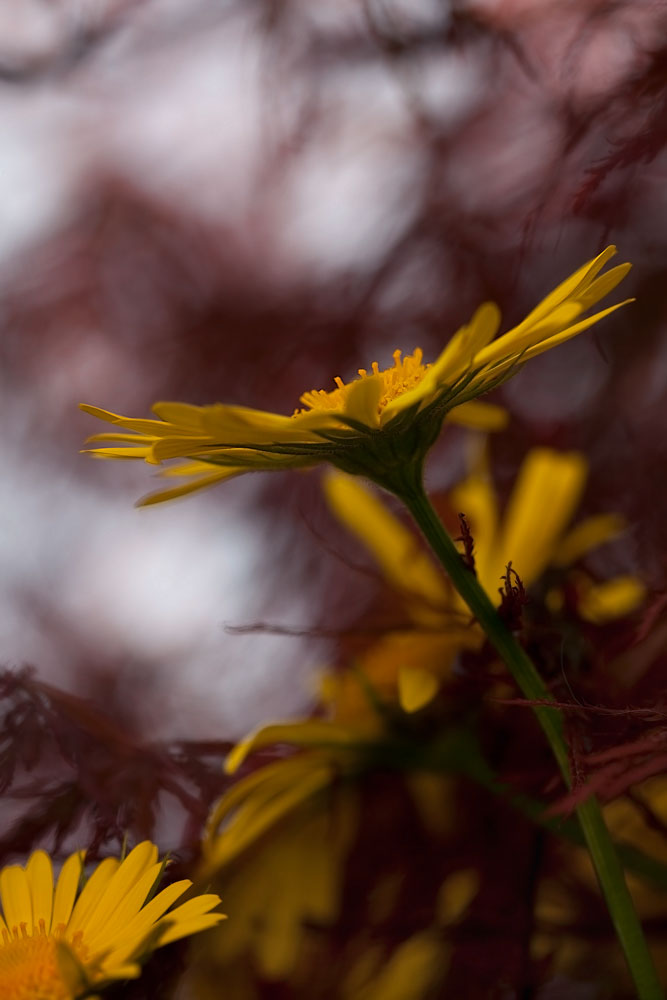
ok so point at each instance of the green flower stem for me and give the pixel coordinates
(603, 854)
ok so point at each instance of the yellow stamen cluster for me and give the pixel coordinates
(29, 968)
(405, 374)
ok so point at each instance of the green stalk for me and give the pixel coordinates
(602, 851)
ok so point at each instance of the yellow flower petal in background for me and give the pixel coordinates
(456, 894)
(56, 949)
(416, 688)
(298, 814)
(304, 733)
(412, 971)
(586, 536)
(611, 599)
(479, 416)
(380, 425)
(267, 803)
(543, 501)
(286, 890)
(199, 475)
(396, 549)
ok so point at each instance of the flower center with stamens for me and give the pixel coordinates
(29, 968)
(405, 374)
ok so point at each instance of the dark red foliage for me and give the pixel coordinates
(76, 778)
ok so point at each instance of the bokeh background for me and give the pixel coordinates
(219, 200)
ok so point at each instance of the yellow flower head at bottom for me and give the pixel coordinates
(58, 943)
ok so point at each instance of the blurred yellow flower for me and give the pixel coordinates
(59, 944)
(531, 534)
(378, 425)
(277, 841)
(416, 967)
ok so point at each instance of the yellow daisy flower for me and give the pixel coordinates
(380, 425)
(59, 943)
(532, 534)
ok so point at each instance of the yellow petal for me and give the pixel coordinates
(567, 334)
(456, 894)
(416, 688)
(194, 907)
(262, 812)
(363, 399)
(40, 878)
(183, 415)
(452, 362)
(16, 899)
(114, 911)
(91, 894)
(178, 446)
(415, 969)
(135, 439)
(465, 345)
(194, 925)
(308, 733)
(546, 493)
(220, 474)
(583, 276)
(193, 468)
(141, 924)
(603, 602)
(603, 285)
(241, 790)
(263, 783)
(154, 428)
(587, 535)
(521, 338)
(220, 424)
(479, 416)
(66, 889)
(185, 919)
(72, 970)
(132, 452)
(131, 970)
(396, 549)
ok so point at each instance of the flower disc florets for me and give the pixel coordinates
(405, 374)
